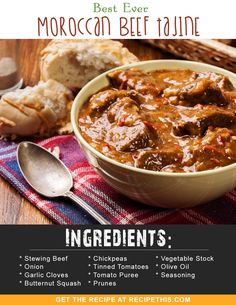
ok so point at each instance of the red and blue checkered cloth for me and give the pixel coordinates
(117, 208)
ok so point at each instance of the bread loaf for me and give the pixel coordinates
(42, 109)
(75, 62)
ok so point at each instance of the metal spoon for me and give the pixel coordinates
(49, 176)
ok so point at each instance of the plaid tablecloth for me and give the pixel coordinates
(117, 208)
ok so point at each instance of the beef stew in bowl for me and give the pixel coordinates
(163, 120)
(156, 187)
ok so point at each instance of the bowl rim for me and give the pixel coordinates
(76, 106)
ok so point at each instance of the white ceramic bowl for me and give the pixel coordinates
(168, 190)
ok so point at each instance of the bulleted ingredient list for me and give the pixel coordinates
(107, 270)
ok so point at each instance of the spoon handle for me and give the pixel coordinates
(87, 208)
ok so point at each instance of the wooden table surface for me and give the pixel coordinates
(14, 209)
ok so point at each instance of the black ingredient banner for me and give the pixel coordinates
(173, 259)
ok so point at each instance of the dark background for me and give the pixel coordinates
(211, 278)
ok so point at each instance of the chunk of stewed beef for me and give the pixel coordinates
(124, 112)
(130, 138)
(135, 79)
(201, 91)
(216, 149)
(195, 121)
(217, 136)
(102, 100)
(157, 159)
(204, 88)
(222, 81)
